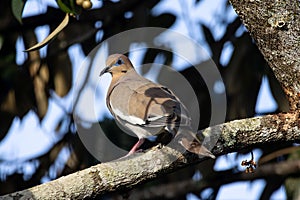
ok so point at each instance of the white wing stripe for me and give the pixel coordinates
(130, 119)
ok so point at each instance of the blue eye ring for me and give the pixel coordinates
(119, 62)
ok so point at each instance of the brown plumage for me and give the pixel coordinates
(146, 108)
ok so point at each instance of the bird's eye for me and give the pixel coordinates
(119, 62)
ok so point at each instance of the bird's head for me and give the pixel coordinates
(117, 65)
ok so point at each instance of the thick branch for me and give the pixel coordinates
(123, 174)
(275, 26)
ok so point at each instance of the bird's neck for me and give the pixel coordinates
(119, 77)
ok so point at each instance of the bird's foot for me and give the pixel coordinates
(136, 146)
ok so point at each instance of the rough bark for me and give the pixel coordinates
(275, 26)
(126, 173)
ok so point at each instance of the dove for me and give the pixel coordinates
(146, 108)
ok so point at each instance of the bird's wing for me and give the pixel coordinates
(146, 104)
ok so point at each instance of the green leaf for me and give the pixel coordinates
(64, 7)
(60, 27)
(17, 7)
(69, 6)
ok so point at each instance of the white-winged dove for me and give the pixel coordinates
(147, 108)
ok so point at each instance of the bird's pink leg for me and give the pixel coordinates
(136, 146)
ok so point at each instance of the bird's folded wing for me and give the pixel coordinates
(147, 104)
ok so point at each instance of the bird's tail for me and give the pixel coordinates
(192, 144)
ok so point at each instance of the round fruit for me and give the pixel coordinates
(79, 2)
(86, 4)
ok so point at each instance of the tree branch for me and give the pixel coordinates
(113, 10)
(123, 174)
(275, 26)
(175, 189)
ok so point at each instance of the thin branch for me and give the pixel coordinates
(175, 189)
(100, 14)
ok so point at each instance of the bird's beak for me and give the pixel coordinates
(105, 70)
